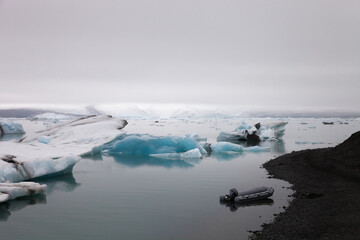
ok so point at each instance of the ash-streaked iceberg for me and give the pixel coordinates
(256, 133)
(15, 169)
(57, 148)
(9, 191)
(155, 146)
(7, 127)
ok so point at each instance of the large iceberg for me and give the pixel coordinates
(9, 191)
(255, 133)
(7, 127)
(56, 149)
(155, 146)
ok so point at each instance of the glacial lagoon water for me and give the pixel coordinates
(117, 197)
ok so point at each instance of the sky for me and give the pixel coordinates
(273, 54)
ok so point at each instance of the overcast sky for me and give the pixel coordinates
(262, 53)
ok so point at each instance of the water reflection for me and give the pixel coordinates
(226, 156)
(233, 207)
(137, 161)
(8, 207)
(64, 183)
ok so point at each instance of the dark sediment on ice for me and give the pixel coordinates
(327, 193)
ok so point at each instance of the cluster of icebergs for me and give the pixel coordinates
(52, 151)
(57, 148)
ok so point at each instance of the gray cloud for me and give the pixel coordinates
(266, 53)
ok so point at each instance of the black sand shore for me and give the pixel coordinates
(327, 193)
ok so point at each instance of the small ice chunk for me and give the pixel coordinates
(224, 147)
(191, 154)
(44, 139)
(7, 127)
(9, 191)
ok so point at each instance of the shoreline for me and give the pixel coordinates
(326, 202)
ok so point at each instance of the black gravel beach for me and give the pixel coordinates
(326, 202)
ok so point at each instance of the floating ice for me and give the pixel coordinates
(44, 139)
(148, 145)
(191, 154)
(9, 191)
(256, 149)
(226, 147)
(75, 137)
(16, 169)
(258, 132)
(30, 157)
(7, 127)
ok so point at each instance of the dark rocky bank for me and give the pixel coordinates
(327, 194)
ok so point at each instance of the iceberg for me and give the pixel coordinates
(7, 127)
(75, 137)
(56, 149)
(15, 169)
(9, 191)
(255, 133)
(148, 145)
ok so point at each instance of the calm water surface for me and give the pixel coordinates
(147, 198)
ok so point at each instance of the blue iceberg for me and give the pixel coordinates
(7, 127)
(148, 145)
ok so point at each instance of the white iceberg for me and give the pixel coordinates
(30, 158)
(9, 191)
(148, 145)
(7, 127)
(15, 169)
(77, 137)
